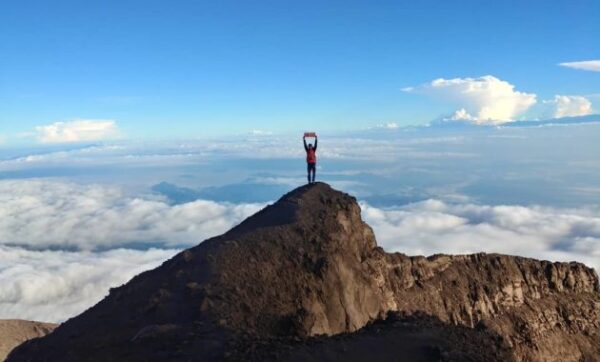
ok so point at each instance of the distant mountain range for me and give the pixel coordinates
(247, 191)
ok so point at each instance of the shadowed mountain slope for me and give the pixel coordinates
(308, 267)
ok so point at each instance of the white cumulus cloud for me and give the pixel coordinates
(483, 100)
(590, 65)
(462, 115)
(41, 214)
(77, 131)
(434, 226)
(570, 106)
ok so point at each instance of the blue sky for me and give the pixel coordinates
(196, 68)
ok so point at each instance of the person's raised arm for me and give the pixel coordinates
(305, 146)
(316, 140)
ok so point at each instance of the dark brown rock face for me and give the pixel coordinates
(308, 266)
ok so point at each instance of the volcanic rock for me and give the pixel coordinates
(304, 277)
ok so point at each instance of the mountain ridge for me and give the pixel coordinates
(308, 267)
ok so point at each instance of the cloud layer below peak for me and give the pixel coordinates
(41, 214)
(95, 226)
(63, 245)
(52, 286)
(434, 226)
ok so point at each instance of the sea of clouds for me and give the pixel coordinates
(63, 244)
(434, 226)
(54, 285)
(47, 214)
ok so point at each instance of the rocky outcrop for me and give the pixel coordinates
(545, 311)
(13, 332)
(309, 266)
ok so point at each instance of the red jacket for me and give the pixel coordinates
(311, 156)
(311, 153)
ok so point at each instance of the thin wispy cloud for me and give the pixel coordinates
(589, 65)
(77, 131)
(388, 125)
(260, 132)
(251, 147)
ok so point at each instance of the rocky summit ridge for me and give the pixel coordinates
(304, 279)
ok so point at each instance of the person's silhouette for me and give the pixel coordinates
(311, 159)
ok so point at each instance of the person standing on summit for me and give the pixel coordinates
(311, 157)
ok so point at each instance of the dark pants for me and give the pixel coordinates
(311, 167)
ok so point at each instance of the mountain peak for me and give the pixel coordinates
(306, 205)
(309, 266)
